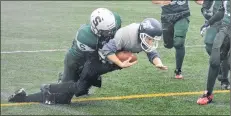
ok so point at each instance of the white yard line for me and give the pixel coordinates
(62, 50)
(52, 50)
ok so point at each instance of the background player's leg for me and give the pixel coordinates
(180, 30)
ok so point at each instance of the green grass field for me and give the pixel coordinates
(49, 25)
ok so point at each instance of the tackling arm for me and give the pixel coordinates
(218, 16)
(205, 10)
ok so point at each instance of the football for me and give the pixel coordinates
(124, 55)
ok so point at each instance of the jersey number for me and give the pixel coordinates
(178, 2)
(97, 21)
(82, 46)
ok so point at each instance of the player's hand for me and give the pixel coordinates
(161, 66)
(204, 28)
(161, 2)
(165, 2)
(127, 63)
(199, 2)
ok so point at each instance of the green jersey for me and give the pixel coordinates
(176, 10)
(215, 6)
(210, 8)
(86, 41)
(226, 18)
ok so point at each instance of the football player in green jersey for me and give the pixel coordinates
(175, 21)
(89, 38)
(220, 49)
(209, 8)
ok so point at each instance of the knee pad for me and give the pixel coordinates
(215, 60)
(178, 43)
(208, 48)
(168, 40)
(214, 64)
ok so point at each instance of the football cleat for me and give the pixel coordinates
(178, 74)
(225, 85)
(205, 99)
(18, 96)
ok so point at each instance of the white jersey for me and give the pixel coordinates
(126, 39)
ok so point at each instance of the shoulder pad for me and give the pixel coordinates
(85, 38)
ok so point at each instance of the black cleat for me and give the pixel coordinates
(18, 96)
(225, 85)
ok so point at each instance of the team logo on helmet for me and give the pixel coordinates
(147, 25)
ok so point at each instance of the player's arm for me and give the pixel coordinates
(161, 2)
(218, 16)
(110, 48)
(205, 10)
(154, 58)
(199, 2)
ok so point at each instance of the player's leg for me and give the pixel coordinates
(219, 53)
(21, 96)
(70, 75)
(91, 71)
(168, 32)
(72, 68)
(224, 77)
(209, 38)
(180, 31)
(223, 72)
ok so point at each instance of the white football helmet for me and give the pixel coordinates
(103, 23)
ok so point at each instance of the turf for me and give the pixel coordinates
(46, 25)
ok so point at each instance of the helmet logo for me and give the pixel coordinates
(96, 21)
(147, 25)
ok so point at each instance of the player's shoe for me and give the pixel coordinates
(205, 99)
(18, 96)
(48, 98)
(225, 85)
(178, 74)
